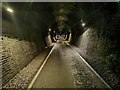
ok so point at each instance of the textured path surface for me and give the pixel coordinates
(66, 69)
(24, 77)
(102, 69)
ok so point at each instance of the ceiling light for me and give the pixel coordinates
(9, 10)
(83, 24)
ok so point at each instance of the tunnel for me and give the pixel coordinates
(51, 40)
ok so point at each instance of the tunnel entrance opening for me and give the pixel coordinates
(28, 27)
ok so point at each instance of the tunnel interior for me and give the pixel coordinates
(59, 17)
(93, 26)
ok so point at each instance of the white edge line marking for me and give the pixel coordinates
(90, 67)
(40, 69)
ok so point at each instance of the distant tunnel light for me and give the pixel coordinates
(9, 10)
(49, 29)
(83, 24)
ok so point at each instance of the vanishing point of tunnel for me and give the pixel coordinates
(60, 45)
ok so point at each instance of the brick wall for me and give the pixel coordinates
(18, 49)
(88, 42)
(16, 55)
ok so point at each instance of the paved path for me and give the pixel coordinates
(66, 69)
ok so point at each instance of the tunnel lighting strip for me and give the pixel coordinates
(40, 69)
(90, 67)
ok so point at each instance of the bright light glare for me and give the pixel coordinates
(9, 10)
(49, 29)
(83, 24)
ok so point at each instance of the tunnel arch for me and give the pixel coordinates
(34, 20)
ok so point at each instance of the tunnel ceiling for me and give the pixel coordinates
(63, 16)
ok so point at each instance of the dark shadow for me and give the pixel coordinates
(28, 21)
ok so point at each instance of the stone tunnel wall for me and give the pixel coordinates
(89, 44)
(16, 52)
